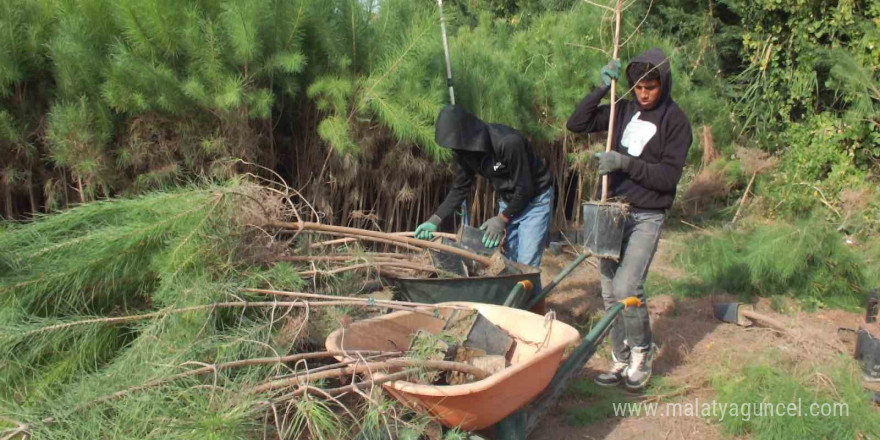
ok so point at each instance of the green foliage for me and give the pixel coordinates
(79, 131)
(818, 169)
(785, 47)
(772, 383)
(148, 254)
(808, 261)
(101, 258)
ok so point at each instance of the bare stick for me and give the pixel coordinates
(348, 298)
(226, 305)
(336, 392)
(353, 239)
(375, 236)
(745, 196)
(636, 30)
(602, 6)
(396, 264)
(225, 366)
(479, 373)
(343, 257)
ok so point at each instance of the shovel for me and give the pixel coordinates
(744, 315)
(472, 239)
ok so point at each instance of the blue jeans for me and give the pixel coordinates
(624, 278)
(527, 232)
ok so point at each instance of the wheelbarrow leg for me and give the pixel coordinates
(520, 424)
(547, 289)
(513, 427)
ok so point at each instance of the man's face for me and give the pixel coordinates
(648, 93)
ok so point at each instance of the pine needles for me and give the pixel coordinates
(807, 260)
(130, 319)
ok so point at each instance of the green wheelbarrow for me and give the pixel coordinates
(512, 288)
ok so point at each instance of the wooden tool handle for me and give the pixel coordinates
(614, 55)
(766, 320)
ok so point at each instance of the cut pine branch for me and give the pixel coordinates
(347, 298)
(370, 256)
(381, 237)
(378, 265)
(222, 305)
(370, 367)
(215, 368)
(339, 241)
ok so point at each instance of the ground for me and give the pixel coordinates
(692, 343)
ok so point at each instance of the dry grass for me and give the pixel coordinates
(755, 161)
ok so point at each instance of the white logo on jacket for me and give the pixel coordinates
(637, 134)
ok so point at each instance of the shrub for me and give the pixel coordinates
(808, 260)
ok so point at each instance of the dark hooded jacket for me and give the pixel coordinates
(658, 139)
(497, 152)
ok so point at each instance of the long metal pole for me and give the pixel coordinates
(464, 206)
(446, 53)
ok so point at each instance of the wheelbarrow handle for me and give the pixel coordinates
(518, 425)
(524, 286)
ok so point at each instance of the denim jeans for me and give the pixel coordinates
(626, 277)
(527, 233)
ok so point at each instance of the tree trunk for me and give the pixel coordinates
(31, 196)
(7, 199)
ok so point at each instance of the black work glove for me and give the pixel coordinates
(612, 161)
(495, 228)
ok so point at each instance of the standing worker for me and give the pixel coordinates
(652, 136)
(502, 155)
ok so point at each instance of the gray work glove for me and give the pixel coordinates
(495, 228)
(609, 71)
(612, 161)
(426, 230)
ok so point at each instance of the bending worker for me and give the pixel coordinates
(502, 155)
(651, 140)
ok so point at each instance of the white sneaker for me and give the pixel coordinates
(639, 372)
(614, 375)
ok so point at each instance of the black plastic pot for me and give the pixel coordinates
(603, 228)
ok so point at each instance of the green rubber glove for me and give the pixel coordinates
(426, 230)
(609, 71)
(495, 228)
(612, 161)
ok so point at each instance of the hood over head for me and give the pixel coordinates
(656, 58)
(459, 130)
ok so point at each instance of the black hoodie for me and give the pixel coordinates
(497, 152)
(656, 139)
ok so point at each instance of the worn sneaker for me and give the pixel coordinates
(639, 371)
(612, 377)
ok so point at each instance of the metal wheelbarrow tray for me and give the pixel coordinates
(534, 359)
(484, 289)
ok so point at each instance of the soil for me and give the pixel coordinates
(692, 344)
